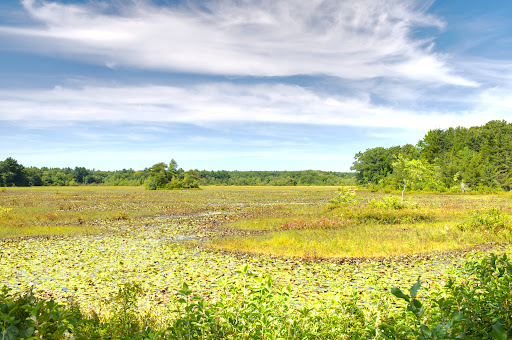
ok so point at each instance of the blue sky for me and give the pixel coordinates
(244, 84)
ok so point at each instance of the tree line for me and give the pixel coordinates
(161, 176)
(276, 178)
(477, 158)
(14, 174)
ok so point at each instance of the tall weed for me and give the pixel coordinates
(487, 220)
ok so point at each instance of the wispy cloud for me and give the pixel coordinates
(343, 38)
(253, 84)
(224, 102)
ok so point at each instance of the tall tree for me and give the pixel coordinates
(12, 173)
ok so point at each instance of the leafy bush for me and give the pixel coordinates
(345, 196)
(151, 183)
(26, 317)
(490, 220)
(255, 309)
(387, 202)
(478, 307)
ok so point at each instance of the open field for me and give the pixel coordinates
(91, 241)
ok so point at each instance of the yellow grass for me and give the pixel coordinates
(362, 240)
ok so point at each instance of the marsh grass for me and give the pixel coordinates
(295, 220)
(99, 209)
(372, 214)
(140, 241)
(370, 229)
(260, 223)
(344, 239)
(9, 232)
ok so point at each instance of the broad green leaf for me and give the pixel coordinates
(415, 288)
(499, 332)
(399, 294)
(457, 317)
(426, 331)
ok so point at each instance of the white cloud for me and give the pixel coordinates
(223, 102)
(496, 100)
(344, 38)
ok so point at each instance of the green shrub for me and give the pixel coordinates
(252, 308)
(26, 317)
(387, 202)
(150, 183)
(476, 307)
(345, 196)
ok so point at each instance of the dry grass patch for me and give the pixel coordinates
(338, 239)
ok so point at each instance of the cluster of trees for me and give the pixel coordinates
(444, 160)
(161, 176)
(13, 174)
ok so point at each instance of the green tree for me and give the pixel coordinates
(34, 176)
(158, 176)
(80, 173)
(12, 173)
(431, 145)
(375, 164)
(415, 174)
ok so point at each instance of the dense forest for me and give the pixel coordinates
(160, 176)
(455, 159)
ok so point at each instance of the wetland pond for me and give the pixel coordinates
(84, 244)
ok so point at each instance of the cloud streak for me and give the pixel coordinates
(221, 103)
(342, 38)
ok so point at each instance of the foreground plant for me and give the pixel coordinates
(477, 307)
(387, 202)
(475, 304)
(253, 308)
(27, 317)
